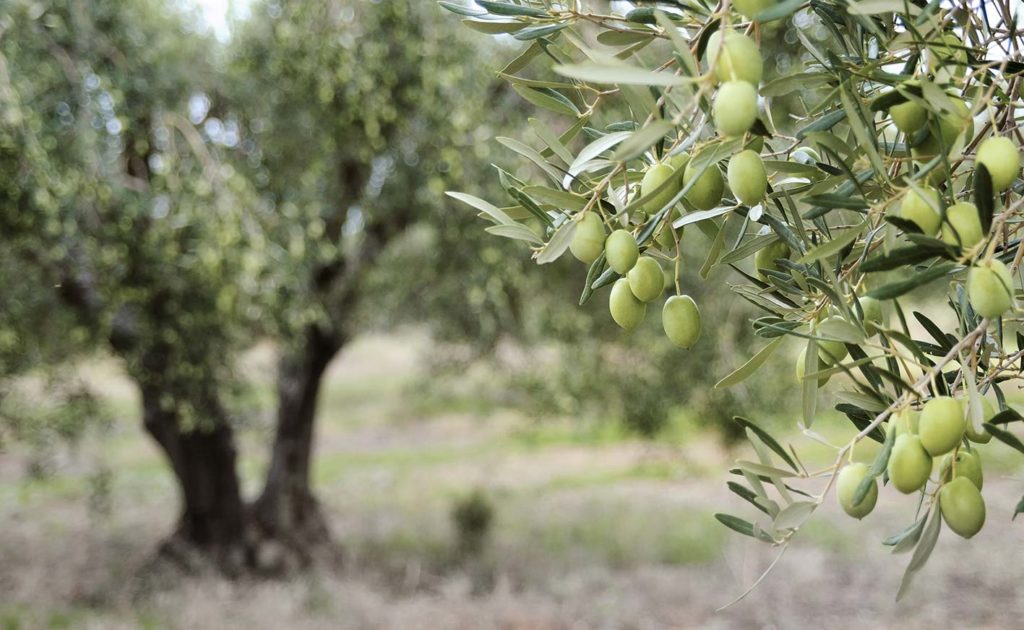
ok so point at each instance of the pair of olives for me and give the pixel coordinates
(735, 61)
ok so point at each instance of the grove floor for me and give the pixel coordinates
(592, 529)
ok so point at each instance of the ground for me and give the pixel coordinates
(592, 528)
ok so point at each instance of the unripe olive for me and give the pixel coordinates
(906, 421)
(962, 225)
(968, 465)
(621, 251)
(738, 60)
(735, 108)
(706, 192)
(679, 161)
(990, 288)
(831, 351)
(588, 239)
(945, 50)
(909, 464)
(1001, 159)
(801, 370)
(681, 319)
(747, 177)
(846, 488)
(626, 310)
(765, 257)
(750, 8)
(908, 116)
(665, 238)
(983, 436)
(942, 425)
(653, 178)
(646, 279)
(872, 310)
(923, 209)
(948, 127)
(962, 507)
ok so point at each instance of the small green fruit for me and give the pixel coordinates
(665, 236)
(962, 507)
(681, 319)
(923, 209)
(968, 465)
(588, 239)
(909, 464)
(621, 251)
(679, 161)
(747, 177)
(646, 279)
(626, 310)
(872, 310)
(949, 126)
(983, 436)
(1001, 159)
(735, 108)
(990, 288)
(831, 351)
(750, 8)
(738, 60)
(942, 425)
(906, 421)
(846, 488)
(706, 192)
(908, 116)
(765, 258)
(962, 226)
(801, 370)
(653, 178)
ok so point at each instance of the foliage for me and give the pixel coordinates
(875, 177)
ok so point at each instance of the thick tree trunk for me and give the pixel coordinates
(287, 516)
(212, 524)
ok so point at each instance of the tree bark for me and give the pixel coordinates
(212, 523)
(287, 514)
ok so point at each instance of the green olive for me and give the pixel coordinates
(909, 464)
(735, 108)
(968, 465)
(706, 192)
(962, 225)
(621, 251)
(1001, 159)
(766, 257)
(646, 279)
(962, 507)
(942, 425)
(679, 161)
(831, 351)
(849, 479)
(944, 131)
(906, 421)
(626, 310)
(666, 236)
(681, 320)
(990, 288)
(738, 60)
(924, 210)
(588, 239)
(801, 370)
(747, 177)
(872, 310)
(751, 8)
(983, 436)
(653, 178)
(909, 116)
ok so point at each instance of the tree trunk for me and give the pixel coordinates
(212, 521)
(287, 515)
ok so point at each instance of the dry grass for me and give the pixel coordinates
(590, 532)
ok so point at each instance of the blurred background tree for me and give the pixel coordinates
(174, 199)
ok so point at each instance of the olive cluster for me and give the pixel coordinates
(941, 428)
(735, 67)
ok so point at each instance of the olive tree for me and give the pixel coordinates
(882, 159)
